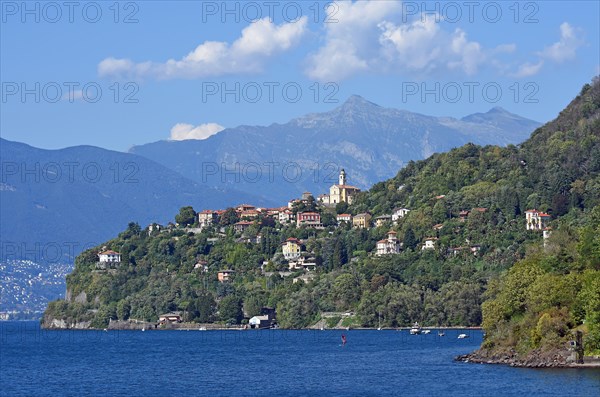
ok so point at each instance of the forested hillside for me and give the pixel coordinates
(469, 203)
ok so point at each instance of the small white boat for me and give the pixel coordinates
(143, 329)
(441, 333)
(463, 336)
(426, 331)
(202, 329)
(416, 329)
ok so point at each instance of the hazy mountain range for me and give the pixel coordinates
(52, 200)
(369, 141)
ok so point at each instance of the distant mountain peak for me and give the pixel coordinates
(498, 109)
(356, 101)
(496, 115)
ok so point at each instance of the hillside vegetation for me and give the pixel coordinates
(533, 292)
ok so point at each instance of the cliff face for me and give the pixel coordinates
(53, 323)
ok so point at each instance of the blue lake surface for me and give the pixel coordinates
(34, 362)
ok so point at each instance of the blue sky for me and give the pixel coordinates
(118, 74)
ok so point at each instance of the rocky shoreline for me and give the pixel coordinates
(535, 359)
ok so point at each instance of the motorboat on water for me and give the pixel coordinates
(416, 329)
(463, 336)
(426, 331)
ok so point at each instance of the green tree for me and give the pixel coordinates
(186, 216)
(410, 241)
(346, 290)
(123, 309)
(205, 305)
(328, 219)
(230, 309)
(341, 207)
(229, 217)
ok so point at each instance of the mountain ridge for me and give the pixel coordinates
(58, 196)
(370, 141)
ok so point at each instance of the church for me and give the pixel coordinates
(339, 193)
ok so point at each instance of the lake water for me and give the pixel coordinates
(34, 362)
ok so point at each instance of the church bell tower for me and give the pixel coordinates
(342, 177)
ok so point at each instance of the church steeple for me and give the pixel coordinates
(342, 177)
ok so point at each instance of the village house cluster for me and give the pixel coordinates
(294, 250)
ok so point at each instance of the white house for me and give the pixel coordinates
(109, 257)
(286, 216)
(303, 263)
(207, 218)
(536, 220)
(429, 243)
(260, 322)
(399, 213)
(390, 245)
(344, 218)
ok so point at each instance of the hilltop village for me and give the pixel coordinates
(329, 211)
(299, 242)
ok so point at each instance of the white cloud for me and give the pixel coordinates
(565, 48)
(248, 54)
(349, 42)
(528, 69)
(183, 131)
(364, 40)
(423, 46)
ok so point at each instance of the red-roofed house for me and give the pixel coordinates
(207, 218)
(249, 214)
(344, 218)
(244, 207)
(536, 220)
(308, 219)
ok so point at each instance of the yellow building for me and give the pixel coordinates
(362, 220)
(340, 193)
(292, 248)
